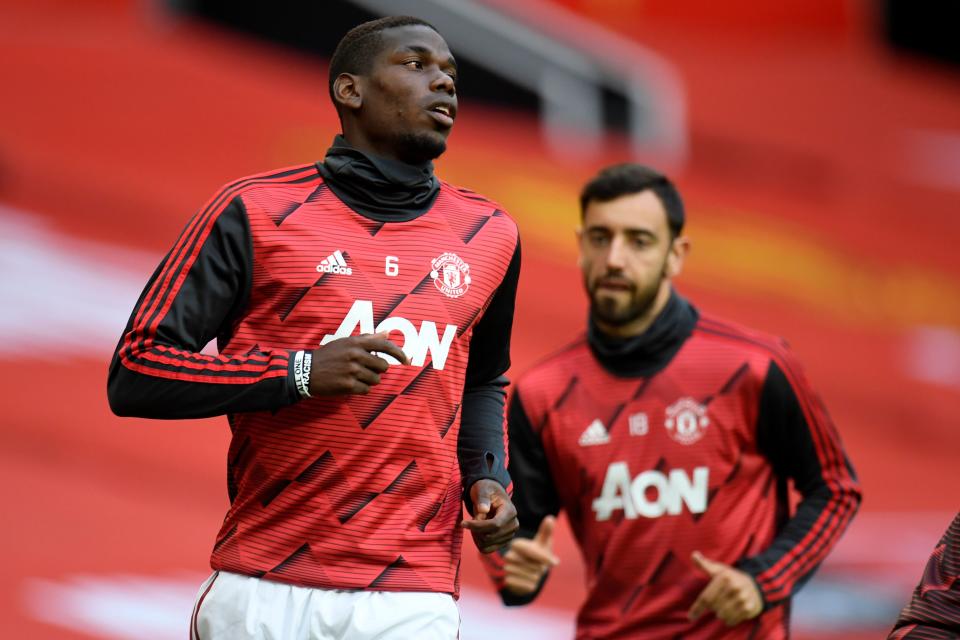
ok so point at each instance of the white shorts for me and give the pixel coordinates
(230, 606)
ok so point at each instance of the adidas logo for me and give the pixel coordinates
(595, 434)
(334, 263)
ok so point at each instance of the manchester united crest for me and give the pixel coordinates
(451, 275)
(687, 420)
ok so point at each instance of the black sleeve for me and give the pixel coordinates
(933, 612)
(194, 295)
(481, 448)
(534, 492)
(797, 436)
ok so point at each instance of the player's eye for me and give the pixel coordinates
(599, 239)
(414, 64)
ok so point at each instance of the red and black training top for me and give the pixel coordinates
(934, 611)
(685, 438)
(349, 492)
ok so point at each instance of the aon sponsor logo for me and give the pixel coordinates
(416, 343)
(651, 494)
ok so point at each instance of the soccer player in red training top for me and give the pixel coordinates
(349, 453)
(934, 611)
(670, 439)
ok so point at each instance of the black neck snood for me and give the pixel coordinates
(378, 188)
(652, 350)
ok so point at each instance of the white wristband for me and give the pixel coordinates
(302, 361)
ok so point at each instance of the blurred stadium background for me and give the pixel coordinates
(817, 143)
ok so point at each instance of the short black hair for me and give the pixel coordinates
(624, 179)
(359, 47)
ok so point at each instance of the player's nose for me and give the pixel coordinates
(442, 82)
(616, 255)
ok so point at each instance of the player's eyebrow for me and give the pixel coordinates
(630, 231)
(426, 51)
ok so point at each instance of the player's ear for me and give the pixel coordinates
(679, 249)
(579, 233)
(347, 91)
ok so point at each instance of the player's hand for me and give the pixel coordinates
(527, 560)
(494, 520)
(731, 594)
(348, 365)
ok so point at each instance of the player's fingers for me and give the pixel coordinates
(728, 606)
(379, 342)
(705, 601)
(544, 535)
(531, 564)
(367, 377)
(486, 544)
(731, 616)
(482, 508)
(498, 540)
(739, 603)
(531, 551)
(483, 495)
(501, 514)
(520, 586)
(372, 362)
(535, 569)
(524, 572)
(524, 564)
(359, 388)
(708, 566)
(480, 527)
(698, 609)
(499, 536)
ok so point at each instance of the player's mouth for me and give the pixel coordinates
(443, 112)
(611, 284)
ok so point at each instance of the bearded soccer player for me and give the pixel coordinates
(670, 438)
(350, 454)
(933, 612)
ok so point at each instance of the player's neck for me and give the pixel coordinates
(379, 188)
(379, 153)
(669, 325)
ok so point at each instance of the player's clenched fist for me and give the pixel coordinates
(348, 365)
(527, 560)
(494, 521)
(731, 594)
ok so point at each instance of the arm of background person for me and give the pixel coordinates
(797, 435)
(933, 612)
(534, 496)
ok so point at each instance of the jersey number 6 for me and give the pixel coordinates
(391, 266)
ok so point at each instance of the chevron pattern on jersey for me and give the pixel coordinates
(399, 576)
(716, 493)
(362, 491)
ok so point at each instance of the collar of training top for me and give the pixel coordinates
(652, 350)
(376, 187)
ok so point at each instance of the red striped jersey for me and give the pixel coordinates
(695, 455)
(933, 612)
(344, 492)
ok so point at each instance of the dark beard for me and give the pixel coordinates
(641, 300)
(420, 148)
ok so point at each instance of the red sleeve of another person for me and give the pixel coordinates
(934, 610)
